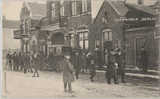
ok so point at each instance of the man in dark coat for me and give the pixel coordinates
(84, 62)
(144, 60)
(120, 58)
(25, 61)
(36, 59)
(68, 71)
(112, 68)
(92, 67)
(77, 64)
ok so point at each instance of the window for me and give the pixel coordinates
(83, 40)
(62, 7)
(84, 5)
(107, 35)
(74, 8)
(53, 10)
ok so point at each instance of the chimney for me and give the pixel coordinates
(140, 2)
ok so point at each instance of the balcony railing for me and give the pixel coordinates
(63, 21)
(17, 34)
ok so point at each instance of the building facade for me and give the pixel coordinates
(28, 33)
(126, 26)
(156, 7)
(67, 25)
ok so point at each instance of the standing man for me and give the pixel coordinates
(77, 64)
(120, 58)
(68, 71)
(112, 67)
(144, 60)
(92, 67)
(84, 62)
(36, 60)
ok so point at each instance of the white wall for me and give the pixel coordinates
(8, 41)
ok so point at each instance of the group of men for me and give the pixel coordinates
(84, 62)
(26, 62)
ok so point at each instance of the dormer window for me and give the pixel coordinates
(53, 10)
(107, 35)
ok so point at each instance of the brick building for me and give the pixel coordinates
(66, 24)
(124, 25)
(156, 7)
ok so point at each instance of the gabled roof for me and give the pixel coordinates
(156, 5)
(10, 24)
(142, 8)
(122, 8)
(119, 7)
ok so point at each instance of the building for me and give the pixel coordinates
(8, 28)
(67, 24)
(28, 32)
(156, 7)
(127, 26)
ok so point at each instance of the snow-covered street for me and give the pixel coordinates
(50, 85)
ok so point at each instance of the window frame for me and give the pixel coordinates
(74, 7)
(53, 13)
(109, 34)
(62, 8)
(83, 39)
(84, 6)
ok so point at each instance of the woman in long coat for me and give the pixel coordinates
(68, 76)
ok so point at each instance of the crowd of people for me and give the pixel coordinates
(71, 65)
(24, 62)
(79, 62)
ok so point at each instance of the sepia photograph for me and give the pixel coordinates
(80, 49)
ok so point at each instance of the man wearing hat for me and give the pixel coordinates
(68, 70)
(112, 67)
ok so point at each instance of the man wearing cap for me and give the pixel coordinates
(68, 71)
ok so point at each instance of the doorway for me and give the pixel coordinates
(140, 42)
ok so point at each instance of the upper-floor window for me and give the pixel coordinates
(83, 40)
(84, 5)
(53, 10)
(107, 35)
(62, 7)
(74, 7)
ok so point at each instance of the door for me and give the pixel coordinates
(140, 42)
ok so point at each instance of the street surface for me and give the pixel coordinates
(50, 85)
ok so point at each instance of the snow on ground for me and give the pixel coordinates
(50, 85)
